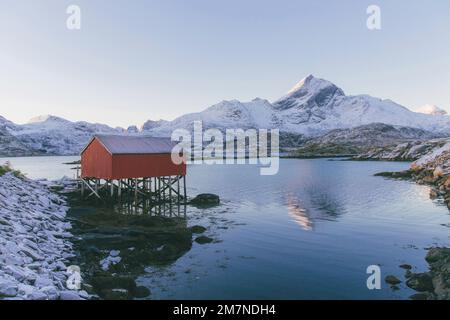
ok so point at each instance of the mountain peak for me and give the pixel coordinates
(309, 92)
(432, 110)
(305, 81)
(310, 84)
(46, 118)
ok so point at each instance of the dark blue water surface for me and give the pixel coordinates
(308, 232)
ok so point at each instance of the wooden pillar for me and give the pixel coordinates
(112, 188)
(135, 187)
(178, 190)
(159, 189)
(170, 188)
(164, 190)
(184, 188)
(82, 187)
(119, 189)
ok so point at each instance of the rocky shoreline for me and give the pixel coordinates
(35, 251)
(432, 169)
(407, 151)
(433, 284)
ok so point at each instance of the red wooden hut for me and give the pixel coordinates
(123, 157)
(129, 158)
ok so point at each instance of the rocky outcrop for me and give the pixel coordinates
(435, 283)
(375, 141)
(407, 151)
(432, 169)
(34, 246)
(205, 200)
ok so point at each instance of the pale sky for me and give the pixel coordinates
(138, 60)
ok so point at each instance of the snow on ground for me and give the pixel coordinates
(34, 245)
(432, 156)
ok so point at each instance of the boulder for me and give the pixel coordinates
(420, 282)
(205, 200)
(198, 229)
(8, 289)
(203, 240)
(69, 295)
(141, 292)
(405, 266)
(392, 280)
(438, 172)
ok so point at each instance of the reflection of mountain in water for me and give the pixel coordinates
(142, 239)
(318, 204)
(325, 203)
(298, 213)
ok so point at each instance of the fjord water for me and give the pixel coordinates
(308, 232)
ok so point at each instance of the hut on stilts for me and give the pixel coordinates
(139, 166)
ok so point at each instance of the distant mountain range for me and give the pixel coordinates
(312, 108)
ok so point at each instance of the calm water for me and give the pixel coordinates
(308, 232)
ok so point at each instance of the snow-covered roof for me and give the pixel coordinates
(121, 144)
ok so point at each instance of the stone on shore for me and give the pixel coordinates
(392, 280)
(203, 240)
(34, 245)
(205, 200)
(421, 282)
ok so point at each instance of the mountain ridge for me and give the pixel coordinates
(311, 108)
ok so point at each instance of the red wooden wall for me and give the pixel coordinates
(97, 162)
(145, 165)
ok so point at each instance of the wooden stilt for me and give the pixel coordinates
(178, 190)
(159, 189)
(112, 188)
(170, 188)
(184, 189)
(148, 190)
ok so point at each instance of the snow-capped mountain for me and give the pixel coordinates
(312, 107)
(432, 110)
(51, 135)
(232, 114)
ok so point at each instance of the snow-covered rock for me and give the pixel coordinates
(406, 151)
(438, 157)
(112, 259)
(33, 240)
(432, 110)
(366, 141)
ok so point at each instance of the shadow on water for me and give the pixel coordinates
(115, 242)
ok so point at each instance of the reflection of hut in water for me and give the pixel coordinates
(141, 205)
(138, 240)
(137, 165)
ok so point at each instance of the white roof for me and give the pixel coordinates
(121, 144)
